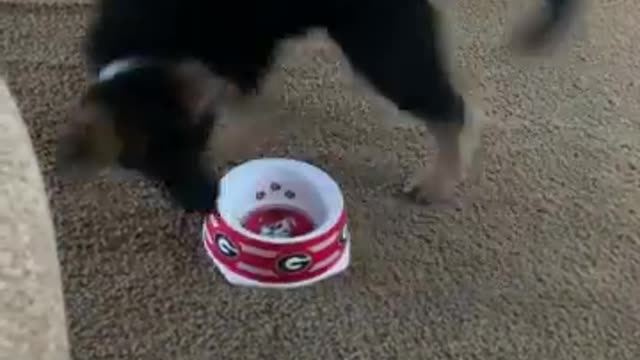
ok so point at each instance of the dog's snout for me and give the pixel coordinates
(196, 195)
(72, 163)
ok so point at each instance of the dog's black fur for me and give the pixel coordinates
(161, 113)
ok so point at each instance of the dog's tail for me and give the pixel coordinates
(551, 22)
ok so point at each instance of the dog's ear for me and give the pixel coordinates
(90, 142)
(200, 90)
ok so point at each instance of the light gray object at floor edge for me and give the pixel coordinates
(32, 315)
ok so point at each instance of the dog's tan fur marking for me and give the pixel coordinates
(457, 143)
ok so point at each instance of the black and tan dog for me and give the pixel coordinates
(163, 68)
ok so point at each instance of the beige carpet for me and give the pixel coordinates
(542, 261)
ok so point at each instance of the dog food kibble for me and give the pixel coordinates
(278, 222)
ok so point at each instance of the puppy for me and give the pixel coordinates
(163, 68)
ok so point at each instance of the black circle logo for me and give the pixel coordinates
(346, 235)
(226, 246)
(294, 263)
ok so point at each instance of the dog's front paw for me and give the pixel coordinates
(431, 188)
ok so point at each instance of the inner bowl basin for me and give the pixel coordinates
(279, 200)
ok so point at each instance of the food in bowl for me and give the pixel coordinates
(278, 222)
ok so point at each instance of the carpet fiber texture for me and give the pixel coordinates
(540, 261)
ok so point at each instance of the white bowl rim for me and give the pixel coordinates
(336, 206)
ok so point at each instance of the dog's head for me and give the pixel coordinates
(154, 119)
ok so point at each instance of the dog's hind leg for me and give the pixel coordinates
(395, 47)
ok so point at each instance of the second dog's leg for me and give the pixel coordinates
(395, 47)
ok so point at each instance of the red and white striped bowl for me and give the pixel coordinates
(248, 258)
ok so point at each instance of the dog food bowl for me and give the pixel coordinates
(280, 223)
